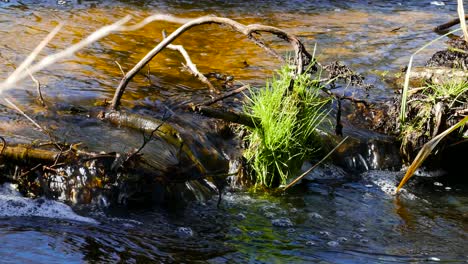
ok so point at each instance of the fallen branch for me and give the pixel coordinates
(301, 58)
(229, 116)
(152, 126)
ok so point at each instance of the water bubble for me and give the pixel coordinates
(241, 216)
(364, 241)
(357, 236)
(255, 233)
(448, 188)
(291, 230)
(433, 259)
(270, 215)
(310, 243)
(437, 3)
(333, 243)
(340, 213)
(342, 239)
(362, 230)
(315, 215)
(184, 232)
(235, 231)
(438, 184)
(325, 233)
(282, 222)
(293, 210)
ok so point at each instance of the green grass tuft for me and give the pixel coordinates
(286, 135)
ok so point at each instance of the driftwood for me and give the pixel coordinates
(301, 59)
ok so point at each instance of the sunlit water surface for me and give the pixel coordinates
(344, 220)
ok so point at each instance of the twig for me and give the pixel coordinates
(38, 88)
(120, 67)
(43, 130)
(24, 114)
(192, 68)
(448, 25)
(316, 165)
(302, 57)
(29, 171)
(226, 95)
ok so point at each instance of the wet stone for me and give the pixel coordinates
(282, 222)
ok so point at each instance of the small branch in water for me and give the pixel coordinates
(226, 95)
(189, 66)
(120, 67)
(38, 88)
(229, 116)
(315, 166)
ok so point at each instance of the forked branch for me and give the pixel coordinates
(301, 56)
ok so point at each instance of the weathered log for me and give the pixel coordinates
(154, 126)
(28, 154)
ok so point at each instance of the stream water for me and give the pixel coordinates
(333, 218)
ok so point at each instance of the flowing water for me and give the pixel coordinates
(333, 218)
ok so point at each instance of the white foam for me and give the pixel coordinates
(13, 204)
(387, 182)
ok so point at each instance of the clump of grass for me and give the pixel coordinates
(286, 134)
(422, 123)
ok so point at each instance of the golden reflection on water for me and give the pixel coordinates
(354, 35)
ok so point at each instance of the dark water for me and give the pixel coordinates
(340, 220)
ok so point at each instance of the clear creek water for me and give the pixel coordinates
(335, 218)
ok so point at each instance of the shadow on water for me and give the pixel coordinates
(350, 220)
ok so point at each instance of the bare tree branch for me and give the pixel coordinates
(302, 57)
